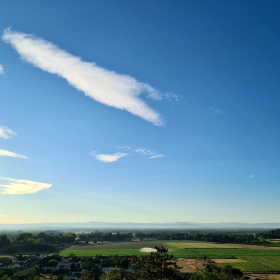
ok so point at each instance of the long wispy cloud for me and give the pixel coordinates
(108, 157)
(6, 133)
(4, 153)
(14, 186)
(1, 70)
(107, 87)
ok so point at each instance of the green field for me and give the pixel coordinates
(201, 245)
(180, 253)
(259, 264)
(265, 260)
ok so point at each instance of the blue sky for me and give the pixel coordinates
(139, 111)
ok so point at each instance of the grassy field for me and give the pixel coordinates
(180, 253)
(200, 245)
(259, 264)
(256, 260)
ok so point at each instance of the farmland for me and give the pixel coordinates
(259, 264)
(200, 245)
(255, 259)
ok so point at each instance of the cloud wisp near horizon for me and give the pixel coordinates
(4, 153)
(6, 133)
(19, 186)
(107, 87)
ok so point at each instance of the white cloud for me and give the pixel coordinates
(215, 110)
(80, 194)
(109, 188)
(4, 153)
(124, 147)
(151, 153)
(107, 87)
(145, 151)
(109, 158)
(157, 156)
(6, 133)
(252, 176)
(14, 186)
(1, 70)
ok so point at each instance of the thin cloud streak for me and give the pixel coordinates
(4, 153)
(215, 110)
(147, 152)
(107, 87)
(6, 133)
(1, 70)
(14, 186)
(157, 156)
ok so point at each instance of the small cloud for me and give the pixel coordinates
(124, 147)
(145, 151)
(80, 194)
(157, 156)
(1, 70)
(108, 157)
(4, 153)
(109, 188)
(171, 97)
(20, 186)
(251, 176)
(215, 110)
(6, 133)
(151, 153)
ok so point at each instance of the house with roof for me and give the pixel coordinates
(52, 266)
(76, 271)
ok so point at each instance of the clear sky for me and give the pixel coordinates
(139, 111)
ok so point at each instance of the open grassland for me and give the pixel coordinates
(222, 253)
(178, 253)
(259, 264)
(201, 245)
(112, 252)
(122, 245)
(248, 259)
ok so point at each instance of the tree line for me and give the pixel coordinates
(207, 237)
(35, 242)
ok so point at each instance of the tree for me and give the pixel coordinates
(72, 266)
(157, 265)
(86, 275)
(5, 242)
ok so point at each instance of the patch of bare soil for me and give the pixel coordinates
(264, 276)
(190, 265)
(227, 260)
(257, 247)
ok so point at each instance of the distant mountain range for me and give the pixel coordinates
(105, 225)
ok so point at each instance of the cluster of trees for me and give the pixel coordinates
(208, 237)
(35, 242)
(103, 236)
(269, 234)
